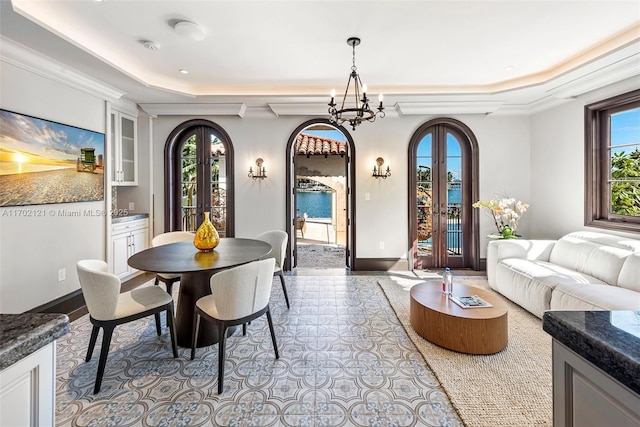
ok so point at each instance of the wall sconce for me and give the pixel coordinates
(261, 172)
(377, 169)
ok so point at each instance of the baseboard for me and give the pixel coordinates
(73, 304)
(380, 264)
(394, 264)
(65, 304)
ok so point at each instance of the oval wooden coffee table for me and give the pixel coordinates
(467, 330)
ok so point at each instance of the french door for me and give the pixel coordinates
(199, 179)
(441, 222)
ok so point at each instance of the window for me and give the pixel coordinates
(612, 144)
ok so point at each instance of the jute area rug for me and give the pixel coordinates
(509, 388)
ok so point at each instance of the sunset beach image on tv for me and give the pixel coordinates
(43, 162)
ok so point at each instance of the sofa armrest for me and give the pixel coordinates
(497, 250)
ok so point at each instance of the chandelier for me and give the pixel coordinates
(361, 111)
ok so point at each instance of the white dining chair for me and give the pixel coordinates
(109, 308)
(278, 241)
(164, 239)
(238, 295)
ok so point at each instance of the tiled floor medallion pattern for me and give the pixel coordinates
(345, 360)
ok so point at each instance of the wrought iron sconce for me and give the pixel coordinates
(377, 169)
(261, 172)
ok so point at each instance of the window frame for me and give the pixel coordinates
(598, 165)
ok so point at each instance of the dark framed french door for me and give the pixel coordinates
(442, 165)
(199, 178)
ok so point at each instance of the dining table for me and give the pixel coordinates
(196, 268)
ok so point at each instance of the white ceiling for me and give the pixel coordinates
(418, 53)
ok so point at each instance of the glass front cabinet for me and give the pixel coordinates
(124, 149)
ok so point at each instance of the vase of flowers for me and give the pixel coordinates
(506, 213)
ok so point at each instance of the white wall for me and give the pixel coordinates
(32, 249)
(557, 165)
(260, 205)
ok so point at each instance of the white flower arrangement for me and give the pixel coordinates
(506, 214)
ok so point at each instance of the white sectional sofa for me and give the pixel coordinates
(580, 271)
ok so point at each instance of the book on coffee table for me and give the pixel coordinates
(473, 301)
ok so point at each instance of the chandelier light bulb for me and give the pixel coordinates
(380, 97)
(333, 93)
(364, 88)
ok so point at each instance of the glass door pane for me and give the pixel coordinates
(189, 184)
(454, 197)
(218, 186)
(128, 148)
(218, 196)
(424, 194)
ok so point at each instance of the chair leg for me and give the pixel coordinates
(284, 287)
(92, 342)
(107, 331)
(158, 327)
(273, 334)
(169, 285)
(156, 282)
(172, 329)
(244, 329)
(194, 333)
(222, 338)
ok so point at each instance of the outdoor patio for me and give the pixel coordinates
(317, 249)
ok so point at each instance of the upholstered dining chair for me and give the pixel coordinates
(278, 241)
(238, 295)
(164, 239)
(109, 308)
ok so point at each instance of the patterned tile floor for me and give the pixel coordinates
(345, 360)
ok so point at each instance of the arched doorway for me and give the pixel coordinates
(319, 157)
(199, 177)
(443, 184)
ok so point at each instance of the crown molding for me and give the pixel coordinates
(603, 76)
(299, 109)
(30, 60)
(201, 109)
(447, 107)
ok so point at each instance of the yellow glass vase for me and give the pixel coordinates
(206, 237)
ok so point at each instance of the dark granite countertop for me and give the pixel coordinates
(608, 339)
(131, 217)
(23, 334)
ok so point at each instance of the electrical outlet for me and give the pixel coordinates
(381, 245)
(131, 206)
(62, 274)
(367, 196)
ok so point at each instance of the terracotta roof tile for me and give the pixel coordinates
(307, 145)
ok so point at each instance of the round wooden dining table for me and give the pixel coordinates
(195, 269)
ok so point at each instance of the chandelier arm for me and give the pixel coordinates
(346, 92)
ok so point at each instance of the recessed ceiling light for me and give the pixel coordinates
(148, 44)
(189, 30)
(183, 71)
(509, 68)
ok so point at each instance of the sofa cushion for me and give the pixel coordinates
(629, 277)
(594, 259)
(530, 283)
(593, 297)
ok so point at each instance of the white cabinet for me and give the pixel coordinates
(124, 149)
(127, 238)
(27, 390)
